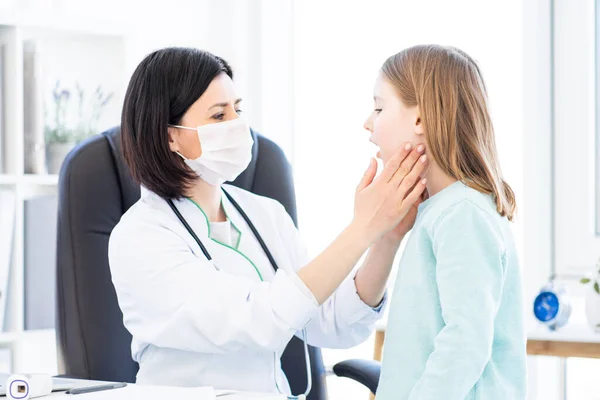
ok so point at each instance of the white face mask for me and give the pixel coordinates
(226, 151)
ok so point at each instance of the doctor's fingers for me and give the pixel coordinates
(392, 165)
(410, 170)
(368, 176)
(414, 196)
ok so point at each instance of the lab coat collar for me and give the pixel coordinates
(190, 209)
(194, 216)
(232, 214)
(202, 225)
(249, 254)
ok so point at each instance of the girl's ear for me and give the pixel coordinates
(419, 130)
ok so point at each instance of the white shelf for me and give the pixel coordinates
(36, 334)
(86, 55)
(8, 179)
(40, 180)
(9, 338)
(29, 179)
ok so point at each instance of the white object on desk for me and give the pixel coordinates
(28, 386)
(58, 384)
(235, 395)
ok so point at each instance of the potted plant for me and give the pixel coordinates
(60, 139)
(60, 135)
(592, 299)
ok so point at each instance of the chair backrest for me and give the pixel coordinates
(95, 190)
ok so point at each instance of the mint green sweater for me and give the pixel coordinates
(455, 329)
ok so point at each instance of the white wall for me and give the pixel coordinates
(339, 49)
(256, 38)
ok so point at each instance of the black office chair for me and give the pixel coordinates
(95, 189)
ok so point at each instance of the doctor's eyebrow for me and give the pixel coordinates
(225, 104)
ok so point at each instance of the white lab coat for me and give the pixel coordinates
(194, 325)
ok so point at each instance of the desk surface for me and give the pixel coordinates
(132, 396)
(135, 392)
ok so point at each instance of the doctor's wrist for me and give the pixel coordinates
(388, 244)
(362, 234)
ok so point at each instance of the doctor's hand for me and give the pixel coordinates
(397, 234)
(382, 203)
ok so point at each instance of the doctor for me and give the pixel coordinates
(207, 303)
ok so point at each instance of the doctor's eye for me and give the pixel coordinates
(218, 117)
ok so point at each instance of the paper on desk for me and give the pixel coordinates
(235, 395)
(147, 392)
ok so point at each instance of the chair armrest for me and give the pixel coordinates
(365, 372)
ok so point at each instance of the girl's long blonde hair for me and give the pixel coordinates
(447, 86)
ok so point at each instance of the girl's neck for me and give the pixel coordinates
(208, 197)
(437, 180)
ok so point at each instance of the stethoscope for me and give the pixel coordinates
(275, 267)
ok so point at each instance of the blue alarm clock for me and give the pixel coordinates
(552, 306)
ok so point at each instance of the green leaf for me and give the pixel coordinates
(585, 280)
(597, 287)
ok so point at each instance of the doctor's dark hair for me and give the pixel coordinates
(162, 88)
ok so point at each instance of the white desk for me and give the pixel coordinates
(135, 392)
(131, 395)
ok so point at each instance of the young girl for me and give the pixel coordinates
(455, 328)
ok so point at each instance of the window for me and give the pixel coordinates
(576, 238)
(571, 207)
(597, 121)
